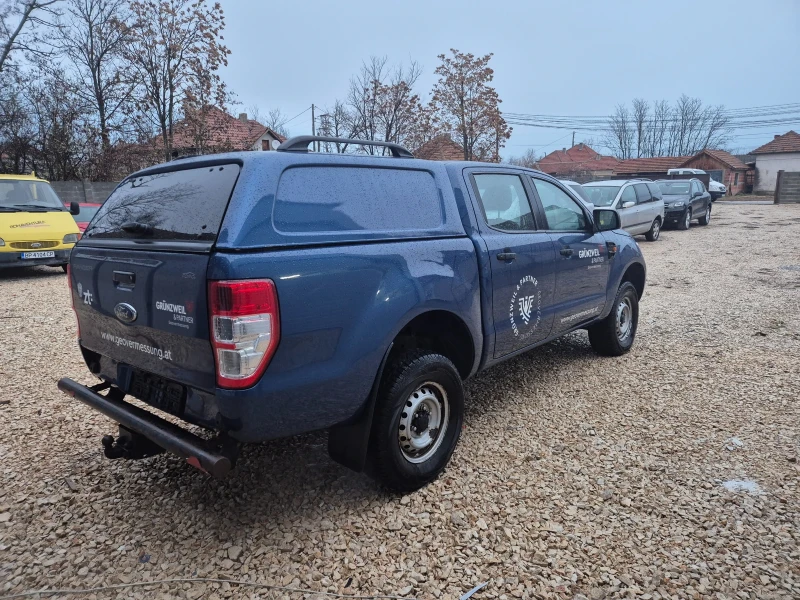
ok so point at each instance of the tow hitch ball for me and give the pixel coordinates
(129, 445)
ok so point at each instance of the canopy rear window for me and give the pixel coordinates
(185, 205)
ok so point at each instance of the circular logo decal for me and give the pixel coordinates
(525, 310)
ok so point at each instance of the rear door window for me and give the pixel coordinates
(642, 193)
(655, 191)
(320, 199)
(185, 205)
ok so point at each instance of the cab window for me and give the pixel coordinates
(561, 211)
(504, 201)
(642, 193)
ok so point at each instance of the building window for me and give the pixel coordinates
(736, 179)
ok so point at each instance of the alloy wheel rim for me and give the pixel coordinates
(423, 422)
(688, 218)
(656, 230)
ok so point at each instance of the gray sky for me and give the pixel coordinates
(560, 58)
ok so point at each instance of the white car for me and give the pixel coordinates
(716, 189)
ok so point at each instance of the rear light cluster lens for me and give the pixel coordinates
(245, 329)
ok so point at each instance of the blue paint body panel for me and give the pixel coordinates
(357, 247)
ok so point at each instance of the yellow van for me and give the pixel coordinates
(35, 227)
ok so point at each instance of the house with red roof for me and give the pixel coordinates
(214, 130)
(724, 167)
(442, 147)
(781, 154)
(579, 163)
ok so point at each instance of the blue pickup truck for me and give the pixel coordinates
(259, 295)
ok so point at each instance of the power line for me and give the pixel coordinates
(298, 115)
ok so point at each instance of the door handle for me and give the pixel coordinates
(566, 252)
(506, 255)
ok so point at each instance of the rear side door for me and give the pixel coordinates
(522, 259)
(644, 208)
(627, 215)
(581, 256)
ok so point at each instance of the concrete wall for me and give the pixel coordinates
(788, 188)
(768, 165)
(83, 191)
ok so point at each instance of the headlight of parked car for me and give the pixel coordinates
(676, 204)
(2, 242)
(70, 238)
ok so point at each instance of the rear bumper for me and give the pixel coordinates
(14, 259)
(197, 451)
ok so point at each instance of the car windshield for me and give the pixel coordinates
(86, 214)
(28, 195)
(580, 191)
(674, 188)
(601, 195)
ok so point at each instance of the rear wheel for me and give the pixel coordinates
(706, 218)
(417, 423)
(686, 220)
(655, 230)
(614, 335)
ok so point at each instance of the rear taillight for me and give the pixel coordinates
(245, 329)
(72, 299)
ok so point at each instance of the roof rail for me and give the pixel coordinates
(300, 144)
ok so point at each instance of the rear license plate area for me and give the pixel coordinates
(158, 392)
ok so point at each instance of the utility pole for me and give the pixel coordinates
(573, 139)
(314, 127)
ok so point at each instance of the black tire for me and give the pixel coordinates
(706, 218)
(64, 267)
(655, 230)
(416, 376)
(686, 218)
(605, 337)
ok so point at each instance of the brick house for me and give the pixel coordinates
(442, 147)
(579, 163)
(781, 154)
(220, 132)
(649, 168)
(723, 167)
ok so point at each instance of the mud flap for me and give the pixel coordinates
(348, 443)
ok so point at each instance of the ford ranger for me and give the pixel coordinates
(258, 295)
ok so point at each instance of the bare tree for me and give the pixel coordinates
(15, 17)
(640, 115)
(336, 122)
(528, 160)
(680, 130)
(92, 38)
(620, 134)
(381, 102)
(174, 44)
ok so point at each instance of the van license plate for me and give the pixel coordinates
(45, 254)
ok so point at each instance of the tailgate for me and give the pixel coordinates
(147, 310)
(138, 277)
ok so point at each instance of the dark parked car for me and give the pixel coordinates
(264, 294)
(684, 201)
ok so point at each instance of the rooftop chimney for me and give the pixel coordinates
(776, 137)
(563, 149)
(243, 117)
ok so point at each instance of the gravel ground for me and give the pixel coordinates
(576, 477)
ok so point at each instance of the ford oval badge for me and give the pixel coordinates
(125, 312)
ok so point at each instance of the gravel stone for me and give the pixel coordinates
(521, 506)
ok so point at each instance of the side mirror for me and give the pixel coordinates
(628, 204)
(607, 219)
(696, 194)
(74, 208)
